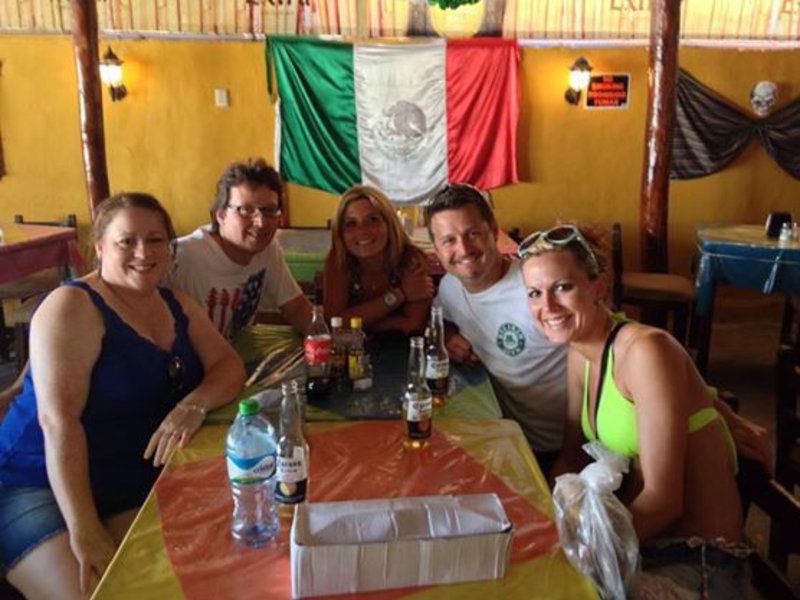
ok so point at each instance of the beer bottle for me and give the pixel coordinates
(292, 453)
(356, 351)
(437, 361)
(417, 400)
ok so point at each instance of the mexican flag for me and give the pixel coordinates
(407, 118)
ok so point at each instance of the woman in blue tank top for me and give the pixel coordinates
(121, 372)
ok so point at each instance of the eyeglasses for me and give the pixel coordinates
(248, 212)
(176, 372)
(560, 235)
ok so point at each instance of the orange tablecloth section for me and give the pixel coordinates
(26, 249)
(180, 544)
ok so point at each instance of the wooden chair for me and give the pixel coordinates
(783, 510)
(657, 294)
(787, 419)
(19, 298)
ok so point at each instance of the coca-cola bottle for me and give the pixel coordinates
(317, 348)
(437, 361)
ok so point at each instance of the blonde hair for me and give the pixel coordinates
(398, 242)
(597, 239)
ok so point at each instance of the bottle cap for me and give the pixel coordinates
(336, 321)
(355, 323)
(248, 407)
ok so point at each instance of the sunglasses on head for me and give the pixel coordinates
(176, 372)
(560, 235)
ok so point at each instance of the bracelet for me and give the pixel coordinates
(196, 407)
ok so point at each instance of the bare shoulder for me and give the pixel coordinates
(68, 306)
(647, 354)
(643, 342)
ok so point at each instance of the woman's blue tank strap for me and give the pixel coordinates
(181, 320)
(96, 298)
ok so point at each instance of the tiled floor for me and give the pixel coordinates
(742, 362)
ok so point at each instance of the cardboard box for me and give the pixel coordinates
(356, 546)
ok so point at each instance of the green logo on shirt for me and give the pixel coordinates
(510, 339)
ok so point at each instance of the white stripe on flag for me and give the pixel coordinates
(400, 111)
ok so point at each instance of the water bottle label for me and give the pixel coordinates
(251, 470)
(317, 350)
(419, 408)
(437, 369)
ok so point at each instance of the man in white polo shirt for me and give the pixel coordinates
(232, 267)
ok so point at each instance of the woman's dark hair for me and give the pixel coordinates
(456, 196)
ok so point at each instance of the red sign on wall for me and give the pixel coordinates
(608, 90)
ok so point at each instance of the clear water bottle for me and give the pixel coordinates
(250, 450)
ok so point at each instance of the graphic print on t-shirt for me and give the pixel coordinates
(510, 339)
(230, 309)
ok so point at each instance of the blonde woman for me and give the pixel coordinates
(636, 390)
(373, 270)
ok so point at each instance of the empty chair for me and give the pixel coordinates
(783, 510)
(20, 297)
(787, 420)
(657, 294)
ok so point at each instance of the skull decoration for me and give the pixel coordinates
(763, 97)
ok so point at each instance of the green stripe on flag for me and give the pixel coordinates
(319, 142)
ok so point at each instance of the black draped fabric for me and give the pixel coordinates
(710, 132)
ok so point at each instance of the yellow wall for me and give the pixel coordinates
(167, 137)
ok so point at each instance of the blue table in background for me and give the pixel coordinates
(741, 255)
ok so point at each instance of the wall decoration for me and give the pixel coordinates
(710, 132)
(407, 118)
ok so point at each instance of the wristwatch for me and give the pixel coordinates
(390, 299)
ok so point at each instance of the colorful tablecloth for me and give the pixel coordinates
(180, 544)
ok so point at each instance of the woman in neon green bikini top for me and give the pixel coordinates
(635, 389)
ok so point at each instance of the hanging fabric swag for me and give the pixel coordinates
(710, 132)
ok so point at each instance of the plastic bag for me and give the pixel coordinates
(595, 528)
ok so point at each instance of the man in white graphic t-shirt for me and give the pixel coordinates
(484, 302)
(232, 267)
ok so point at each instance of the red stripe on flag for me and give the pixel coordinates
(482, 111)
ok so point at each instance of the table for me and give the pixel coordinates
(472, 395)
(305, 249)
(26, 249)
(741, 255)
(180, 546)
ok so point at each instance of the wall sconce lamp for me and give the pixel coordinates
(578, 80)
(111, 75)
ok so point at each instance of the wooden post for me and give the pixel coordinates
(661, 98)
(90, 105)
